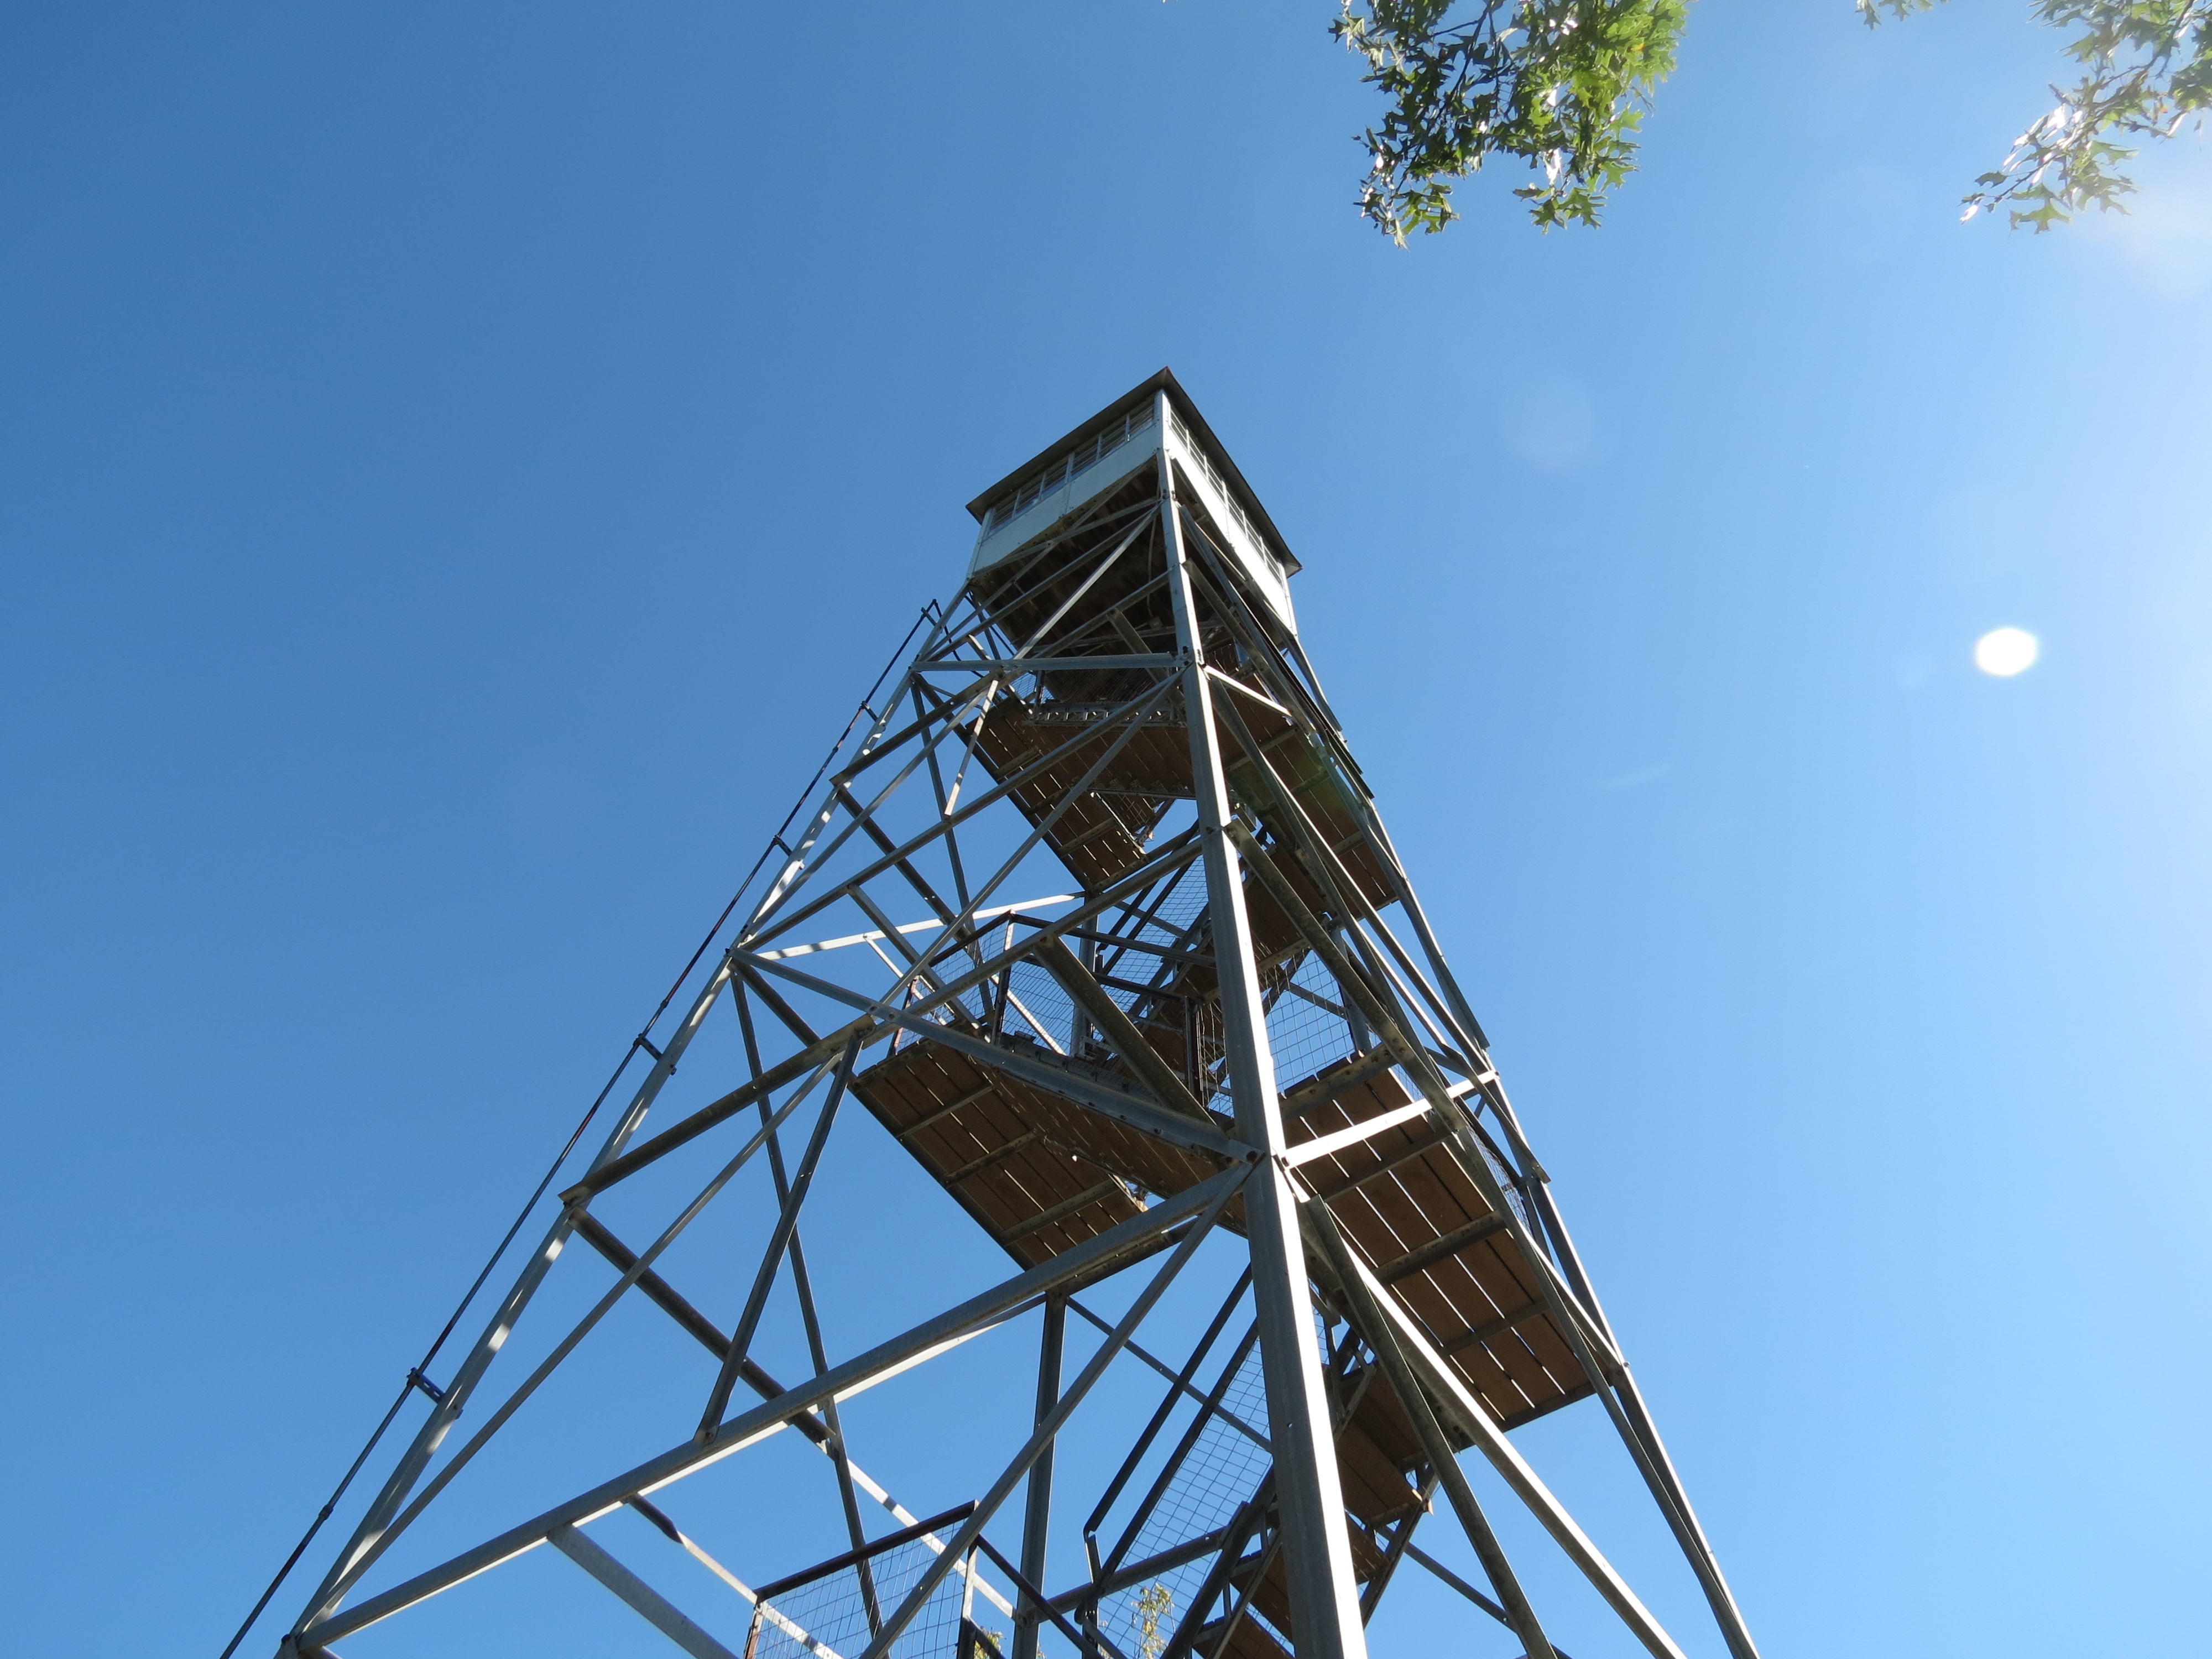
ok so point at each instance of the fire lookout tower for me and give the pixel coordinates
(1223, 1057)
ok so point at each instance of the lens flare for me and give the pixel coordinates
(2005, 652)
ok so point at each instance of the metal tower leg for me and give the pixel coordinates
(1324, 1595)
(1038, 1520)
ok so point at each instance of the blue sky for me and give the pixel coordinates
(460, 465)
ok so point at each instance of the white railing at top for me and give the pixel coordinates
(1071, 465)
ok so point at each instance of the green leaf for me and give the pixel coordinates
(1561, 85)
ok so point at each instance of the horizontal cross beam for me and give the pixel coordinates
(1044, 664)
(1441, 1250)
(1329, 1146)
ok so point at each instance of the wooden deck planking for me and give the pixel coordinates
(1055, 1150)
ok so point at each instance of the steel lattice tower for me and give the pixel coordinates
(1230, 1026)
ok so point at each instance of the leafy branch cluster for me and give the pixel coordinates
(1561, 84)
(2148, 67)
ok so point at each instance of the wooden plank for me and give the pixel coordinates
(1439, 1249)
(1358, 1174)
(937, 1115)
(1465, 1294)
(1327, 1086)
(995, 1153)
(1069, 1206)
(1374, 1487)
(1529, 1414)
(1490, 1328)
(1430, 1190)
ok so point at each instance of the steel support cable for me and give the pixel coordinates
(418, 1377)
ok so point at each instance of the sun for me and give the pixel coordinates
(2005, 652)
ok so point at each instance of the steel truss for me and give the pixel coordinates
(1230, 1023)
